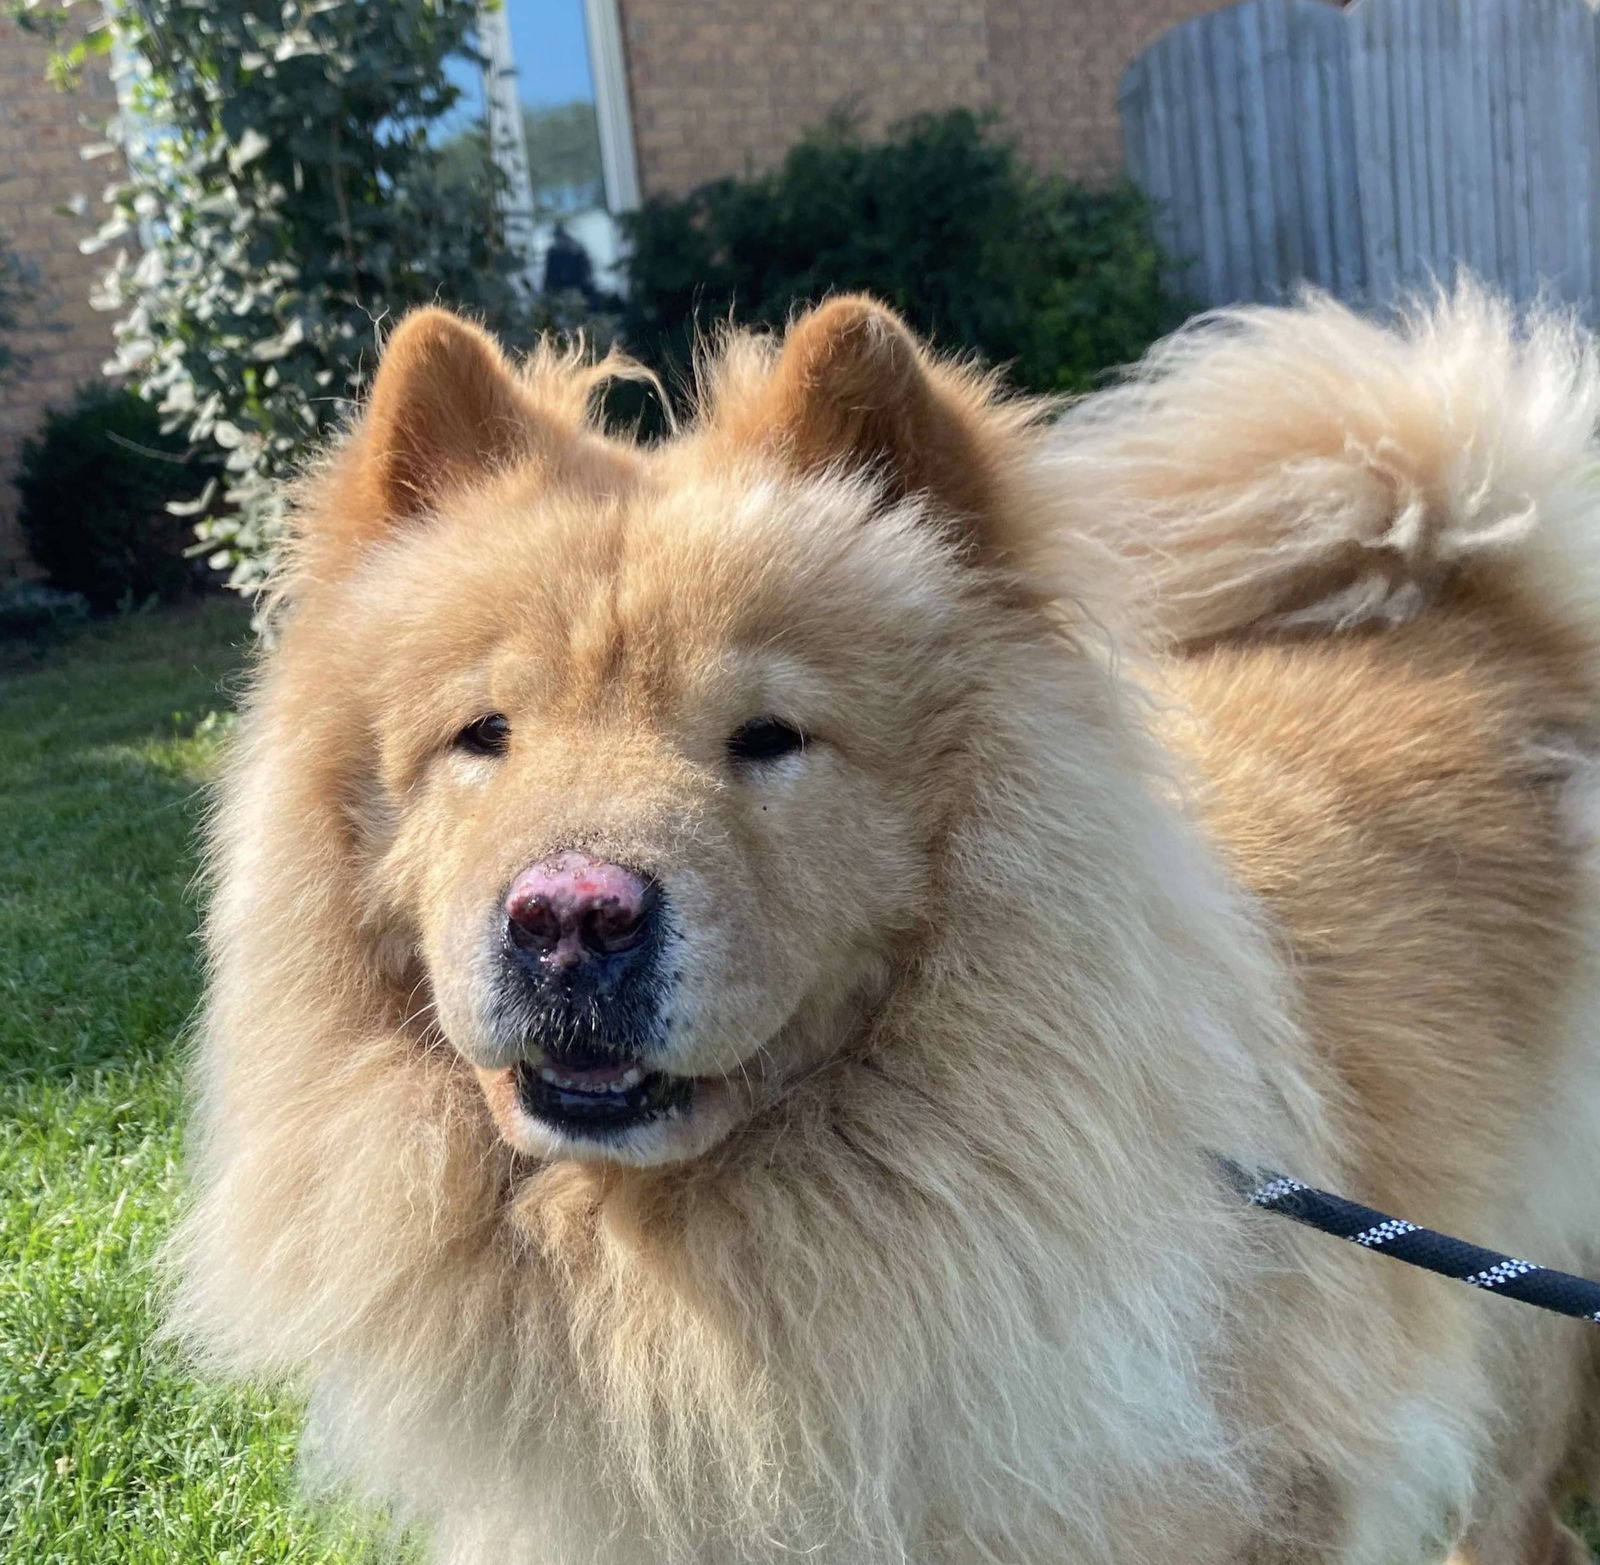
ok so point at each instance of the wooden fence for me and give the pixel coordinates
(1374, 149)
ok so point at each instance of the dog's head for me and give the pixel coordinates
(661, 742)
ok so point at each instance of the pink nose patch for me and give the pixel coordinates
(571, 908)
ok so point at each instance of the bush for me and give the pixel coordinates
(94, 488)
(942, 220)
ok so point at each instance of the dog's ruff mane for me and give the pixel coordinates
(974, 1285)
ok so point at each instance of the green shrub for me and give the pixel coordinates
(94, 488)
(942, 220)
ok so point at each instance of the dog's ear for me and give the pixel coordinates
(852, 388)
(445, 409)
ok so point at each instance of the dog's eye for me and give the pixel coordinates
(764, 739)
(486, 736)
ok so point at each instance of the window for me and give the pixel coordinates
(556, 97)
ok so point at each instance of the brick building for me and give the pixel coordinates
(720, 86)
(64, 340)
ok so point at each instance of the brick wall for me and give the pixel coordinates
(723, 86)
(41, 132)
(1055, 65)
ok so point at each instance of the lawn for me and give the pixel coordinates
(109, 1451)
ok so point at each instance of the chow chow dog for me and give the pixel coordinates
(733, 961)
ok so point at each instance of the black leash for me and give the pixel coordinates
(1434, 1252)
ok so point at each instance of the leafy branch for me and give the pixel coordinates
(284, 194)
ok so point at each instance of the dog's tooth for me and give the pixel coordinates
(630, 1078)
(546, 1074)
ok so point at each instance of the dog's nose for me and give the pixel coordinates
(571, 908)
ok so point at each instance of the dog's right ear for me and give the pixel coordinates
(446, 410)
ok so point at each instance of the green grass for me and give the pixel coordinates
(109, 1451)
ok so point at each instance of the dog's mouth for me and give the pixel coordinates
(598, 1095)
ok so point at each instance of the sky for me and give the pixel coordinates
(552, 53)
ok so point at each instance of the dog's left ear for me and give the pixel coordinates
(852, 388)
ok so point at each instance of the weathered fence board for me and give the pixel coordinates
(1373, 150)
(1238, 125)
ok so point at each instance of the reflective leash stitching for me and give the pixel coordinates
(1432, 1251)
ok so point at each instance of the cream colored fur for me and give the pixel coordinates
(963, 1285)
(1313, 467)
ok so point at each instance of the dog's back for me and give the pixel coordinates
(1407, 802)
(1375, 554)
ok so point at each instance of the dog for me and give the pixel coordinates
(734, 961)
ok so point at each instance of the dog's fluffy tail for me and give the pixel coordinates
(1307, 466)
